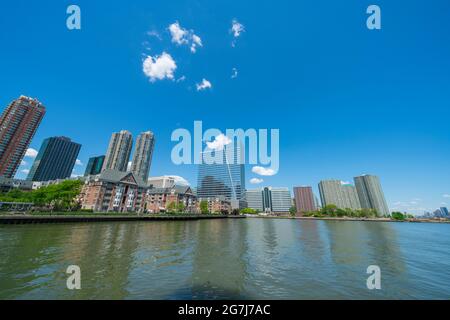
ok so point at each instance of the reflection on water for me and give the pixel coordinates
(225, 259)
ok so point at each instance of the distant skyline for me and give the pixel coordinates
(347, 100)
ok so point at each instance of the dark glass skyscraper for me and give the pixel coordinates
(94, 165)
(55, 159)
(225, 179)
(18, 123)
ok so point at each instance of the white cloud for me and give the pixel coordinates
(182, 36)
(180, 181)
(159, 67)
(182, 78)
(256, 181)
(31, 153)
(154, 33)
(219, 142)
(446, 195)
(26, 171)
(205, 84)
(178, 33)
(263, 171)
(78, 162)
(234, 73)
(23, 163)
(236, 28)
(75, 175)
(196, 41)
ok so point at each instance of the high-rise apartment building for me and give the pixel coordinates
(225, 179)
(94, 166)
(304, 199)
(143, 152)
(55, 159)
(119, 151)
(370, 194)
(341, 195)
(269, 199)
(18, 124)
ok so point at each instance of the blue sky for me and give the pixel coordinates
(347, 100)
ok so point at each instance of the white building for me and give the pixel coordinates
(269, 199)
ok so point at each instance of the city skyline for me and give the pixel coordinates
(347, 101)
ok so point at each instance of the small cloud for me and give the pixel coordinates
(205, 84)
(31, 153)
(78, 162)
(443, 203)
(256, 181)
(75, 175)
(446, 195)
(154, 33)
(26, 171)
(219, 142)
(263, 171)
(236, 28)
(23, 163)
(234, 73)
(159, 67)
(182, 36)
(181, 79)
(196, 41)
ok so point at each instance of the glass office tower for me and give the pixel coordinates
(55, 160)
(225, 179)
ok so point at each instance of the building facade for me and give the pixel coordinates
(55, 160)
(344, 196)
(371, 194)
(119, 151)
(218, 204)
(304, 200)
(224, 177)
(269, 199)
(18, 124)
(142, 157)
(94, 165)
(113, 191)
(158, 199)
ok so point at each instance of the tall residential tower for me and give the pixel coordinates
(370, 194)
(142, 157)
(18, 125)
(119, 150)
(341, 195)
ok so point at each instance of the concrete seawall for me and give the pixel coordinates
(28, 219)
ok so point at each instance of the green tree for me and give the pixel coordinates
(249, 211)
(293, 211)
(181, 207)
(204, 207)
(171, 207)
(397, 216)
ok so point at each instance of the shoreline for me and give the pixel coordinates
(40, 219)
(353, 219)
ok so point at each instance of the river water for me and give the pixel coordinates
(226, 259)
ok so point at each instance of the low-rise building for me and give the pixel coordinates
(113, 191)
(219, 204)
(158, 199)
